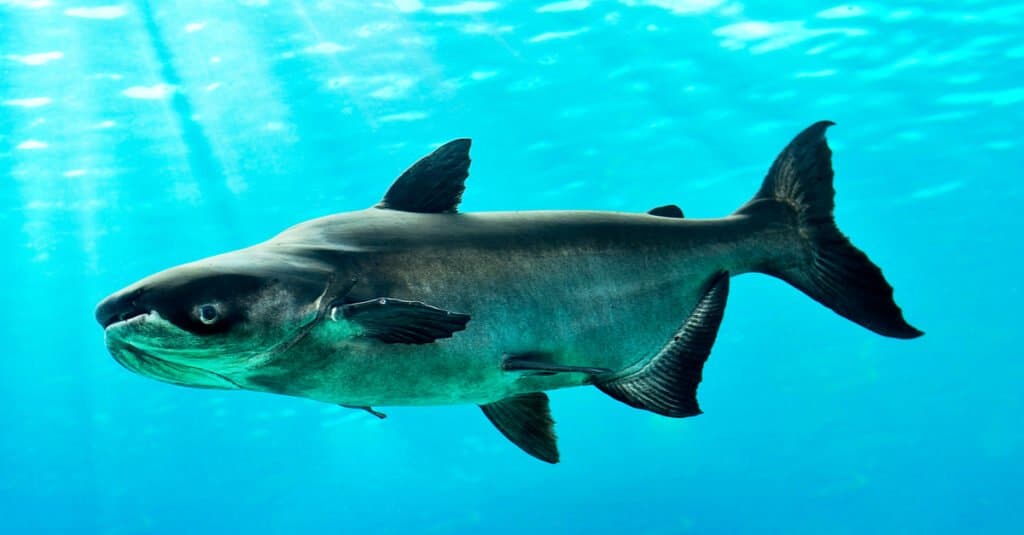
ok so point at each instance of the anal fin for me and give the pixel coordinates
(667, 383)
(525, 419)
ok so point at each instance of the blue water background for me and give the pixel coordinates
(137, 136)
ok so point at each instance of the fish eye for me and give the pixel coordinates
(208, 314)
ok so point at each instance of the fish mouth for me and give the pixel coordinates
(120, 307)
(123, 320)
(146, 364)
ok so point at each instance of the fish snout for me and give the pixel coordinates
(120, 306)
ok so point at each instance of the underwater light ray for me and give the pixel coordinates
(202, 160)
(307, 22)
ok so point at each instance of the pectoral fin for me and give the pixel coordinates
(667, 384)
(396, 321)
(525, 419)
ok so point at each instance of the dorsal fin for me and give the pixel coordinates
(434, 184)
(669, 210)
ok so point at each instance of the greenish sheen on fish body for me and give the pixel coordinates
(413, 303)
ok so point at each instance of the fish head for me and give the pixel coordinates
(205, 323)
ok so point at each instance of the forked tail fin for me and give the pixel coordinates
(798, 189)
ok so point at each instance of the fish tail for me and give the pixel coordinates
(798, 193)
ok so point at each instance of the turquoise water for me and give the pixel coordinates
(138, 136)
